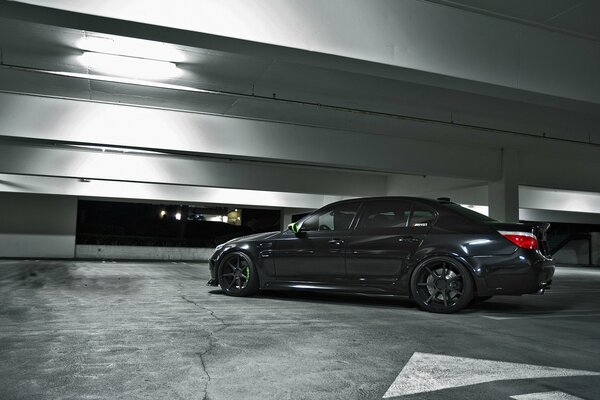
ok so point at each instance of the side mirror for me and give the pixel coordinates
(294, 227)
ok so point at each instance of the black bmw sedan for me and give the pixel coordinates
(436, 252)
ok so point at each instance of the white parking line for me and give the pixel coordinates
(426, 372)
(586, 315)
(546, 396)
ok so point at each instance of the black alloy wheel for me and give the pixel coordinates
(237, 275)
(441, 285)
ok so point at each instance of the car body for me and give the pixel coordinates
(438, 253)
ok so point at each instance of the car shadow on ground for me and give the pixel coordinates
(354, 299)
(504, 305)
(508, 305)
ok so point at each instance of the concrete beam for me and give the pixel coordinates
(180, 170)
(453, 43)
(71, 121)
(146, 192)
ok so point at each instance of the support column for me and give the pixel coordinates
(286, 217)
(503, 195)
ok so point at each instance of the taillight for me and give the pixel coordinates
(525, 240)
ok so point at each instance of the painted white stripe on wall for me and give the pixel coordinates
(142, 253)
(32, 245)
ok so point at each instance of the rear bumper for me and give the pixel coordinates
(525, 272)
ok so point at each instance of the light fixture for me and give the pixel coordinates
(112, 149)
(130, 66)
(163, 213)
(178, 216)
(131, 47)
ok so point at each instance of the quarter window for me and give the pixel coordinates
(422, 217)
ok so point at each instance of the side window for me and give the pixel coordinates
(334, 219)
(422, 217)
(384, 214)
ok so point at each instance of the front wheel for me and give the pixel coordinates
(441, 285)
(237, 275)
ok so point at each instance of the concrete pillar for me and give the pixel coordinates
(286, 217)
(595, 248)
(503, 195)
(34, 225)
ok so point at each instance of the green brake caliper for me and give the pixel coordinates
(247, 274)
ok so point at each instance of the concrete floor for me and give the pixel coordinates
(88, 330)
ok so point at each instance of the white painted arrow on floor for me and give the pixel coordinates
(430, 372)
(546, 396)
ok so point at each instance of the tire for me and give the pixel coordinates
(237, 275)
(441, 285)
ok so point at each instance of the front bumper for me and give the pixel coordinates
(212, 266)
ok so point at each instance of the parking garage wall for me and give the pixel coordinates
(98, 252)
(37, 225)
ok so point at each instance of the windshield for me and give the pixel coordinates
(474, 215)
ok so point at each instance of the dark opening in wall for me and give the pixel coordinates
(143, 224)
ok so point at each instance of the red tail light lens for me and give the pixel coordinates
(525, 240)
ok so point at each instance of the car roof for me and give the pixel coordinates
(399, 198)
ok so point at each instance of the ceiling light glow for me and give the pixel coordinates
(131, 47)
(129, 66)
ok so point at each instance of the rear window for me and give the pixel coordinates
(470, 214)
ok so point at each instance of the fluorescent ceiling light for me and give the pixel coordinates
(112, 149)
(130, 66)
(131, 47)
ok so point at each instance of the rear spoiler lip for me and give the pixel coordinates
(542, 227)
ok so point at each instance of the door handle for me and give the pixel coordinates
(336, 241)
(408, 239)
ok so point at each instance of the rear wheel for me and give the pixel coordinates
(441, 285)
(237, 275)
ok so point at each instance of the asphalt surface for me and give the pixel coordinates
(93, 330)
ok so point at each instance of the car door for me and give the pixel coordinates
(317, 252)
(386, 235)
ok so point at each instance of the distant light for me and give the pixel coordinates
(225, 218)
(178, 216)
(163, 213)
(130, 66)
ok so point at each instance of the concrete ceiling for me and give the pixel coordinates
(577, 17)
(389, 118)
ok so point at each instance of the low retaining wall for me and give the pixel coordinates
(142, 253)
